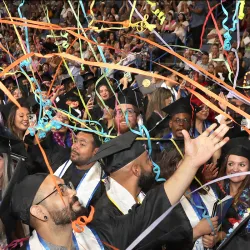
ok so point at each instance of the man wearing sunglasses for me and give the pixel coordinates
(37, 203)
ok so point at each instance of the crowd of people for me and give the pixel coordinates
(91, 156)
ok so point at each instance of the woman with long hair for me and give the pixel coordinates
(18, 121)
(159, 99)
(237, 160)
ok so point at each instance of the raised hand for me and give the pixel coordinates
(200, 150)
(210, 172)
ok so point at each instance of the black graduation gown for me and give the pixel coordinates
(55, 153)
(74, 175)
(120, 231)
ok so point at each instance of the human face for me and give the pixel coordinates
(147, 176)
(104, 93)
(231, 56)
(82, 149)
(211, 69)
(178, 123)
(215, 49)
(203, 113)
(45, 68)
(17, 94)
(22, 119)
(237, 164)
(168, 101)
(205, 59)
(62, 209)
(120, 121)
(239, 104)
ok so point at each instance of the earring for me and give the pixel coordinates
(45, 217)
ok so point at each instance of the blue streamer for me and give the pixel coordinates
(227, 36)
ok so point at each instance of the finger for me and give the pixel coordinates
(215, 174)
(219, 135)
(187, 138)
(209, 130)
(215, 171)
(221, 143)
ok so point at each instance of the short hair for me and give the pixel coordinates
(96, 138)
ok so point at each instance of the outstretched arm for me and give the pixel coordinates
(197, 152)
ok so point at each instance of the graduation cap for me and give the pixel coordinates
(155, 123)
(21, 78)
(180, 106)
(119, 151)
(46, 78)
(50, 47)
(8, 80)
(239, 238)
(23, 195)
(67, 81)
(145, 85)
(72, 94)
(62, 105)
(131, 96)
(240, 151)
(87, 83)
(87, 75)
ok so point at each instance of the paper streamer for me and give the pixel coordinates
(241, 11)
(227, 36)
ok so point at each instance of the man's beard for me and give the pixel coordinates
(79, 162)
(67, 215)
(146, 181)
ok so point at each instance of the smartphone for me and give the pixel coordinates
(32, 120)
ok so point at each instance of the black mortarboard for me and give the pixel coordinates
(240, 151)
(62, 105)
(235, 142)
(46, 78)
(23, 196)
(87, 75)
(7, 140)
(119, 151)
(156, 123)
(89, 82)
(131, 96)
(180, 106)
(239, 238)
(72, 93)
(50, 47)
(67, 81)
(8, 80)
(21, 78)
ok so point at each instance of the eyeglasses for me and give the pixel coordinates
(64, 188)
(181, 121)
(127, 112)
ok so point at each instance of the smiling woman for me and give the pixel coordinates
(18, 121)
(237, 161)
